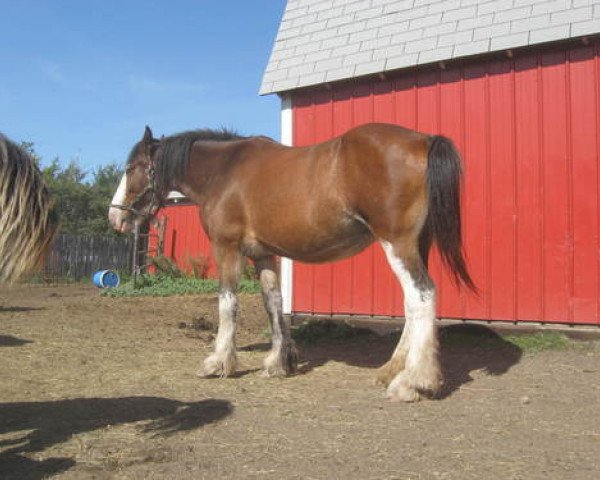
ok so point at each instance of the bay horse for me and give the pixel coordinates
(28, 217)
(325, 202)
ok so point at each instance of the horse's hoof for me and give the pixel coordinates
(400, 391)
(411, 396)
(217, 367)
(429, 381)
(277, 368)
(281, 363)
(405, 394)
(273, 372)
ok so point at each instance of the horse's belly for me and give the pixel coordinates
(333, 251)
(326, 244)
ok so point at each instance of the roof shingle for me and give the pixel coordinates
(329, 40)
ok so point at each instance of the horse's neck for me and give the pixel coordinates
(208, 162)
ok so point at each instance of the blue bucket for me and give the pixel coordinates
(106, 279)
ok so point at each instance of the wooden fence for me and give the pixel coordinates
(74, 257)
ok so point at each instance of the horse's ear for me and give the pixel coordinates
(148, 135)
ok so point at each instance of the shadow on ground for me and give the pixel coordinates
(9, 309)
(464, 348)
(53, 422)
(10, 341)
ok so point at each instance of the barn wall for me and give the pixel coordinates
(529, 131)
(185, 240)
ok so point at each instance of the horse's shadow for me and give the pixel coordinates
(464, 348)
(52, 422)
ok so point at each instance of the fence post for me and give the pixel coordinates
(162, 228)
(134, 263)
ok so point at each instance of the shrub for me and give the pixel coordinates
(166, 267)
(161, 285)
(200, 266)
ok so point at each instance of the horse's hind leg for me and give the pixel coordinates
(283, 358)
(418, 351)
(223, 361)
(396, 363)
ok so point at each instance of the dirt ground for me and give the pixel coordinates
(95, 387)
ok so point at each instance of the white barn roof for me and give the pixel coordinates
(322, 41)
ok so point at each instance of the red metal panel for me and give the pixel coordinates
(584, 148)
(405, 100)
(529, 201)
(476, 187)
(502, 190)
(529, 133)
(451, 124)
(555, 178)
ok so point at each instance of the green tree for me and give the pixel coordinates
(28, 147)
(106, 181)
(82, 204)
(71, 194)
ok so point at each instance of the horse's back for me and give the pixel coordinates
(344, 192)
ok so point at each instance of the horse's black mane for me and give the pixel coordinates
(171, 157)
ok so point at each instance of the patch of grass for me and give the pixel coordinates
(166, 285)
(536, 342)
(485, 338)
(314, 331)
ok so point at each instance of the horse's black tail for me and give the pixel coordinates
(443, 218)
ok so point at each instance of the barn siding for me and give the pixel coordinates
(528, 129)
(185, 239)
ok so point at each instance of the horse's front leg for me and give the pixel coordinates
(223, 361)
(283, 357)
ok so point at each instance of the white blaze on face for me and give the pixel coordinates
(115, 215)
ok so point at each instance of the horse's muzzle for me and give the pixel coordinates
(119, 220)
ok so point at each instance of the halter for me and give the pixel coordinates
(151, 187)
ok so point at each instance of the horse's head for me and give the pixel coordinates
(137, 197)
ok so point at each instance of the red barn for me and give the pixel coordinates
(516, 85)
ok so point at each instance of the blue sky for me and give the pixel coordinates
(81, 78)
